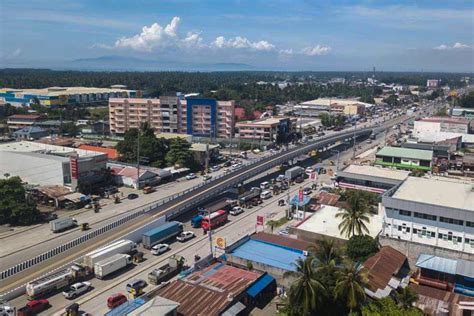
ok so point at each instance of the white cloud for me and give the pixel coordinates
(240, 42)
(316, 50)
(288, 51)
(455, 46)
(441, 47)
(460, 46)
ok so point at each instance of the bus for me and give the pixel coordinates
(214, 220)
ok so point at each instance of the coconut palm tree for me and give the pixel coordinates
(350, 282)
(327, 252)
(355, 217)
(406, 297)
(306, 291)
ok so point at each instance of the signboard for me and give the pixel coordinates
(313, 175)
(300, 195)
(220, 242)
(74, 168)
(260, 220)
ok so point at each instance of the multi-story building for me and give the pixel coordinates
(432, 125)
(432, 83)
(266, 129)
(200, 117)
(431, 211)
(18, 121)
(316, 107)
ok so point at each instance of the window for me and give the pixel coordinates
(415, 230)
(404, 213)
(469, 224)
(451, 220)
(425, 216)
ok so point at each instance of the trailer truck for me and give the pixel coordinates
(123, 246)
(248, 196)
(111, 265)
(222, 204)
(62, 224)
(161, 233)
(166, 272)
(294, 172)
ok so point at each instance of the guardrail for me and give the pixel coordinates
(268, 162)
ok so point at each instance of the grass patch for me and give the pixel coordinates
(278, 222)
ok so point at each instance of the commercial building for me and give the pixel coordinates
(18, 121)
(316, 107)
(198, 117)
(467, 113)
(110, 152)
(370, 178)
(436, 212)
(62, 96)
(30, 133)
(204, 151)
(268, 129)
(404, 158)
(432, 125)
(432, 83)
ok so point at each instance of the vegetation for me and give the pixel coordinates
(350, 285)
(278, 222)
(355, 216)
(467, 100)
(179, 153)
(328, 120)
(359, 248)
(442, 112)
(15, 209)
(388, 307)
(406, 297)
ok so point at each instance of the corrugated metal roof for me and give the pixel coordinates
(382, 266)
(260, 285)
(465, 268)
(436, 263)
(408, 153)
(234, 309)
(283, 241)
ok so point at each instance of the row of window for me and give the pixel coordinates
(434, 218)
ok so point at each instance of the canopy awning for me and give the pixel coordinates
(260, 285)
(295, 201)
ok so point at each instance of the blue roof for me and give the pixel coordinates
(160, 228)
(260, 285)
(269, 254)
(295, 200)
(436, 263)
(126, 307)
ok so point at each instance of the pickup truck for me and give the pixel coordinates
(77, 289)
(236, 210)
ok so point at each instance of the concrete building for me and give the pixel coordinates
(30, 133)
(62, 96)
(316, 107)
(467, 113)
(267, 129)
(404, 158)
(432, 83)
(203, 151)
(433, 211)
(197, 116)
(438, 129)
(18, 121)
(370, 178)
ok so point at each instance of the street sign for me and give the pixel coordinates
(220, 242)
(313, 175)
(260, 220)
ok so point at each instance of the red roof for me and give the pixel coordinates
(240, 113)
(327, 198)
(27, 116)
(382, 266)
(111, 152)
(256, 114)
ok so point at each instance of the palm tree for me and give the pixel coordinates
(355, 216)
(306, 291)
(327, 252)
(406, 297)
(350, 283)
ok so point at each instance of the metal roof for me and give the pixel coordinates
(234, 309)
(383, 266)
(408, 153)
(436, 263)
(260, 285)
(465, 268)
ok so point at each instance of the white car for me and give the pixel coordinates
(309, 170)
(206, 177)
(214, 168)
(236, 210)
(280, 178)
(77, 289)
(159, 249)
(185, 236)
(191, 176)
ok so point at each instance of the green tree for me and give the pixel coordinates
(406, 297)
(306, 291)
(69, 129)
(180, 153)
(14, 208)
(387, 307)
(467, 100)
(360, 247)
(326, 120)
(350, 285)
(355, 217)
(392, 100)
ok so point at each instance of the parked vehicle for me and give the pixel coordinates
(214, 220)
(32, 308)
(161, 233)
(309, 170)
(266, 195)
(280, 178)
(123, 246)
(184, 236)
(206, 177)
(166, 272)
(115, 300)
(294, 172)
(247, 196)
(132, 196)
(221, 204)
(214, 168)
(159, 249)
(307, 191)
(191, 176)
(236, 210)
(77, 289)
(137, 284)
(148, 190)
(196, 221)
(111, 265)
(61, 224)
(299, 179)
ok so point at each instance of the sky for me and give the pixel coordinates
(429, 35)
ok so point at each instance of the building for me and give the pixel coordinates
(18, 121)
(370, 178)
(111, 153)
(436, 212)
(52, 125)
(267, 129)
(197, 116)
(316, 107)
(62, 96)
(30, 133)
(97, 128)
(404, 158)
(438, 129)
(204, 151)
(467, 113)
(432, 83)
(128, 176)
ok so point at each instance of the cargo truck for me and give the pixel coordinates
(166, 272)
(161, 233)
(294, 172)
(248, 196)
(111, 265)
(62, 224)
(221, 204)
(123, 246)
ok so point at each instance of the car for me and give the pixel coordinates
(307, 191)
(280, 178)
(115, 300)
(159, 249)
(206, 177)
(77, 289)
(214, 168)
(37, 306)
(264, 185)
(137, 284)
(184, 236)
(236, 210)
(191, 176)
(235, 166)
(309, 170)
(227, 164)
(132, 196)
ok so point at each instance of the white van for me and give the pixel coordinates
(265, 195)
(264, 185)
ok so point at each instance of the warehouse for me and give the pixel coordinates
(404, 158)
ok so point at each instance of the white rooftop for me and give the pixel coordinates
(31, 147)
(324, 222)
(437, 191)
(334, 101)
(378, 172)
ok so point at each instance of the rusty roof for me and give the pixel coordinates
(382, 266)
(209, 291)
(327, 198)
(282, 241)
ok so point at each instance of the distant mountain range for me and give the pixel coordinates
(115, 62)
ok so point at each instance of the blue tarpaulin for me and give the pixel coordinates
(260, 285)
(295, 201)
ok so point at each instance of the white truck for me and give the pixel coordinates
(123, 246)
(294, 172)
(111, 265)
(61, 224)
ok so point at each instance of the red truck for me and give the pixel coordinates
(214, 220)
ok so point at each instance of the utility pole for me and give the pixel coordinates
(354, 152)
(206, 166)
(210, 232)
(138, 160)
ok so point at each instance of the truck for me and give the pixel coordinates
(247, 196)
(62, 224)
(161, 233)
(123, 246)
(148, 189)
(166, 272)
(111, 265)
(294, 172)
(222, 204)
(55, 282)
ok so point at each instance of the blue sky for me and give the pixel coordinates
(273, 34)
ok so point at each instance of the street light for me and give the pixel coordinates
(337, 161)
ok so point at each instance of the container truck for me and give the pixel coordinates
(294, 172)
(166, 272)
(62, 224)
(123, 246)
(55, 282)
(161, 233)
(221, 204)
(247, 196)
(111, 265)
